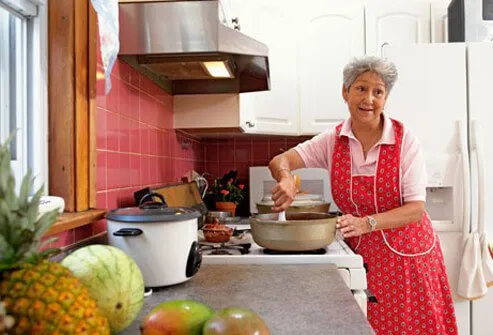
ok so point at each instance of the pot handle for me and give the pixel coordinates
(153, 204)
(128, 232)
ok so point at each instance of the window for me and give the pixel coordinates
(71, 94)
(23, 88)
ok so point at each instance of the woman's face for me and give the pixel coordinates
(366, 98)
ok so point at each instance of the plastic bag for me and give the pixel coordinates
(107, 11)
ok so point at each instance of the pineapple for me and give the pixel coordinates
(43, 297)
(6, 321)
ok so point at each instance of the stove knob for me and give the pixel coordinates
(194, 260)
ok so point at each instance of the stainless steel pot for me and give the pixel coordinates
(300, 231)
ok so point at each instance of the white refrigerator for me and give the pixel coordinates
(444, 93)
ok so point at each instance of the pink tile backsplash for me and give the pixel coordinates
(241, 152)
(137, 146)
(140, 139)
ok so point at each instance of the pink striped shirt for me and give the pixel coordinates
(317, 153)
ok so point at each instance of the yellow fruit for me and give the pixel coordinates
(43, 297)
(47, 299)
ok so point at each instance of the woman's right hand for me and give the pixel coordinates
(283, 193)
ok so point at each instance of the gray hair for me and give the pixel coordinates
(380, 66)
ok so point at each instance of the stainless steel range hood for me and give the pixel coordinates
(174, 42)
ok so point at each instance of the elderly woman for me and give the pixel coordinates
(378, 179)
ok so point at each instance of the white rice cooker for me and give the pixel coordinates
(162, 240)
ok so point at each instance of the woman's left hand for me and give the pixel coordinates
(352, 226)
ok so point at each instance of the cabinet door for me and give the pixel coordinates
(439, 22)
(396, 22)
(274, 111)
(224, 15)
(227, 14)
(330, 35)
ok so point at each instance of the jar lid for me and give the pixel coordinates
(160, 214)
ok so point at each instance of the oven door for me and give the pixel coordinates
(357, 286)
(362, 300)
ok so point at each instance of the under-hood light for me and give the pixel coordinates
(218, 69)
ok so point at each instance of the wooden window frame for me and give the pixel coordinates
(72, 62)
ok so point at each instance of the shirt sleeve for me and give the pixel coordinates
(317, 152)
(413, 168)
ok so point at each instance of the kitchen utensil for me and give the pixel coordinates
(301, 231)
(178, 195)
(282, 216)
(202, 184)
(162, 240)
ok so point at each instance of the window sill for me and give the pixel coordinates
(68, 221)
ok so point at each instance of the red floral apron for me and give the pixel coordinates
(406, 271)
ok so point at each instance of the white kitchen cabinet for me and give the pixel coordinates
(308, 48)
(396, 22)
(439, 22)
(267, 112)
(227, 14)
(210, 113)
(274, 111)
(330, 34)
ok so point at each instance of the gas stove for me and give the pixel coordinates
(242, 249)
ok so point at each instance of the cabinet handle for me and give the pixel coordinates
(250, 124)
(235, 20)
(237, 27)
(382, 46)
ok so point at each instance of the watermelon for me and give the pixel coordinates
(113, 279)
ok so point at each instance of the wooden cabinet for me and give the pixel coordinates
(329, 36)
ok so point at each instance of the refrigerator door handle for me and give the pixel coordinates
(462, 146)
(475, 147)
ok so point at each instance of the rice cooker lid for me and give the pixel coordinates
(144, 215)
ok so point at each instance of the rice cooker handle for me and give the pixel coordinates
(128, 232)
(153, 204)
(194, 260)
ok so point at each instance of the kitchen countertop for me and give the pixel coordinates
(292, 299)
